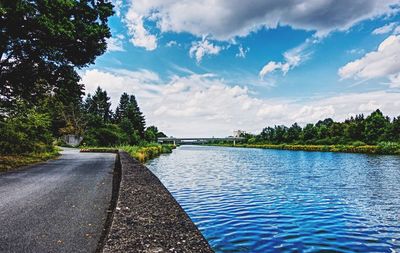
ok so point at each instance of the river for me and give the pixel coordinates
(262, 200)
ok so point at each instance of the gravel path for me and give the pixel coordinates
(57, 206)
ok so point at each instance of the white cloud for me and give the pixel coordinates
(242, 52)
(385, 29)
(384, 62)
(227, 19)
(204, 105)
(140, 37)
(117, 7)
(204, 47)
(272, 66)
(172, 43)
(292, 58)
(115, 43)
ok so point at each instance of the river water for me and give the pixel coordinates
(260, 200)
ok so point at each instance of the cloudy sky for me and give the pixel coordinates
(208, 67)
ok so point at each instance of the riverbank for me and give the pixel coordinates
(147, 218)
(141, 153)
(383, 149)
(11, 162)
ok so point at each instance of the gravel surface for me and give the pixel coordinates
(57, 206)
(147, 218)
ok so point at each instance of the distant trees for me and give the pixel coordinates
(126, 126)
(371, 130)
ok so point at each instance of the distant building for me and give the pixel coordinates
(238, 133)
(72, 139)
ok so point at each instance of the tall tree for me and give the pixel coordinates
(40, 40)
(99, 105)
(122, 108)
(136, 116)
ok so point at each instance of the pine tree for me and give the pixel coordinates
(136, 116)
(121, 110)
(99, 104)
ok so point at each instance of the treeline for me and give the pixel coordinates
(125, 126)
(358, 130)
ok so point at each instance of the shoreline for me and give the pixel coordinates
(364, 149)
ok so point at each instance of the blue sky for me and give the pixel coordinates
(206, 68)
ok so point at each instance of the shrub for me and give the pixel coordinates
(358, 143)
(26, 132)
(106, 136)
(388, 148)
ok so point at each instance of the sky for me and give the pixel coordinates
(208, 67)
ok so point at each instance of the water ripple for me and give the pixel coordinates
(254, 200)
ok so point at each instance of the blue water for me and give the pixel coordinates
(258, 200)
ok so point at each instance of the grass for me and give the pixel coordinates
(10, 162)
(385, 148)
(141, 153)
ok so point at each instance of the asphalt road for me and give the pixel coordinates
(57, 206)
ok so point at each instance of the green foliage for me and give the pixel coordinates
(42, 42)
(99, 105)
(389, 148)
(375, 125)
(146, 152)
(25, 132)
(356, 130)
(105, 136)
(8, 162)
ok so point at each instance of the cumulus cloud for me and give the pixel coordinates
(205, 105)
(227, 19)
(115, 43)
(385, 29)
(201, 48)
(140, 36)
(384, 62)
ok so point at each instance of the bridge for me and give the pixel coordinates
(200, 140)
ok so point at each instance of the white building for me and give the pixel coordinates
(238, 133)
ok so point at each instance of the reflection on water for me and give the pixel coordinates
(257, 200)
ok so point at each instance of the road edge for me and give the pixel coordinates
(113, 203)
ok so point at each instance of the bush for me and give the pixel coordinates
(358, 144)
(388, 148)
(106, 136)
(26, 132)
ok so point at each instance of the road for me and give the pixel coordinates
(57, 206)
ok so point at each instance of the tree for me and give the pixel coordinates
(136, 116)
(122, 108)
(293, 133)
(309, 132)
(393, 132)
(375, 125)
(42, 40)
(99, 105)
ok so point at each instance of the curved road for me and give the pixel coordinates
(57, 206)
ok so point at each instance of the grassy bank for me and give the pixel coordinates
(9, 162)
(386, 148)
(141, 153)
